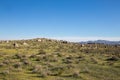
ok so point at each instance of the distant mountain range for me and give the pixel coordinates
(102, 42)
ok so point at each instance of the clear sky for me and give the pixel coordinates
(59, 18)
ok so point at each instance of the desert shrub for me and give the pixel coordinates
(36, 69)
(69, 57)
(70, 66)
(26, 62)
(45, 57)
(38, 59)
(5, 72)
(94, 60)
(76, 74)
(17, 65)
(59, 54)
(85, 70)
(114, 58)
(43, 74)
(79, 57)
(57, 70)
(51, 60)
(2, 54)
(6, 62)
(49, 65)
(110, 63)
(67, 61)
(18, 56)
(32, 56)
(41, 52)
(1, 64)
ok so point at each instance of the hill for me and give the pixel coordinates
(48, 59)
(102, 42)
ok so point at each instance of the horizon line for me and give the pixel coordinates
(73, 39)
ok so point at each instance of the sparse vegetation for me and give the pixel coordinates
(46, 59)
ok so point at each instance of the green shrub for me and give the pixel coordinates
(76, 74)
(41, 52)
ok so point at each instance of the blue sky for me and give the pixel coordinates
(66, 19)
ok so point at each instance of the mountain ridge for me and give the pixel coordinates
(101, 42)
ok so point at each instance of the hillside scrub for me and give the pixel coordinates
(46, 59)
